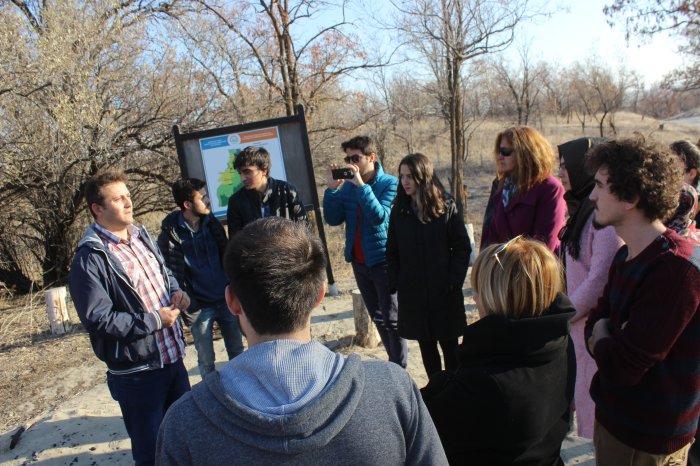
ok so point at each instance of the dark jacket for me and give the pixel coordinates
(538, 213)
(170, 244)
(246, 205)
(374, 202)
(122, 331)
(427, 264)
(508, 402)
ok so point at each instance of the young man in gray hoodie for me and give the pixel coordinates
(289, 399)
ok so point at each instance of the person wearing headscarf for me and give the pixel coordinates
(587, 253)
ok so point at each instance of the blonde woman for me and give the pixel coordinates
(509, 400)
(427, 255)
(526, 199)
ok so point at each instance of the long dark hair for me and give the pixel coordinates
(430, 194)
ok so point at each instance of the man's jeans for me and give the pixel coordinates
(202, 334)
(144, 397)
(383, 308)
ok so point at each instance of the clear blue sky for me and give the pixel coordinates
(579, 29)
(576, 30)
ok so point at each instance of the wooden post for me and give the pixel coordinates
(57, 310)
(366, 334)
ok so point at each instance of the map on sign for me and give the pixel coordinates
(218, 154)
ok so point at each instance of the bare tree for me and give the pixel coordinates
(646, 18)
(83, 93)
(295, 60)
(523, 81)
(448, 34)
(600, 92)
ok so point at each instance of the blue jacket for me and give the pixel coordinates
(374, 200)
(122, 331)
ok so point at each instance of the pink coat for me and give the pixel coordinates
(585, 280)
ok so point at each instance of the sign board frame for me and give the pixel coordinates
(208, 155)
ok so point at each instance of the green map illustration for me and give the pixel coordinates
(229, 180)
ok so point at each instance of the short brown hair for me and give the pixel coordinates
(640, 169)
(522, 281)
(93, 187)
(277, 269)
(364, 144)
(253, 155)
(534, 156)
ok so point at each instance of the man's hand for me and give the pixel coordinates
(601, 329)
(180, 300)
(357, 179)
(168, 315)
(333, 184)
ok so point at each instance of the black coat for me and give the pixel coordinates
(509, 400)
(427, 264)
(246, 205)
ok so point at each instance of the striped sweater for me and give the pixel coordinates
(647, 388)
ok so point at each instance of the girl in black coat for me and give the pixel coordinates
(509, 401)
(427, 256)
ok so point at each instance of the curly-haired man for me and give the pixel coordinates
(644, 333)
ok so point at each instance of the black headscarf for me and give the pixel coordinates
(578, 204)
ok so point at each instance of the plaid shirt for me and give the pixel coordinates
(144, 272)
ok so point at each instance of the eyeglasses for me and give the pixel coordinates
(502, 248)
(505, 151)
(352, 158)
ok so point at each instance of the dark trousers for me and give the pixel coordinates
(431, 356)
(144, 397)
(383, 308)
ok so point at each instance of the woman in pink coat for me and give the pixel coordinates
(588, 252)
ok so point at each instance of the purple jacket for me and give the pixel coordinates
(538, 213)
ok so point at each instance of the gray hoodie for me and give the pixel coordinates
(366, 413)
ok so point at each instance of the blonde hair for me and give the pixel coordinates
(534, 156)
(521, 281)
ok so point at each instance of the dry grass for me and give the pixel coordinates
(33, 362)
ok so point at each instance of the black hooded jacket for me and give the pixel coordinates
(509, 401)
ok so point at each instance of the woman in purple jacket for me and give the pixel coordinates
(526, 199)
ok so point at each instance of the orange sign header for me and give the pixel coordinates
(258, 135)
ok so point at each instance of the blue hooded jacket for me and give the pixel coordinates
(374, 200)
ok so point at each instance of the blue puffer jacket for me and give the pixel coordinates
(374, 200)
(122, 332)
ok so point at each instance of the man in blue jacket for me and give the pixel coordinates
(193, 243)
(363, 203)
(129, 303)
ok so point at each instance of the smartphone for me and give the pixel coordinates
(342, 174)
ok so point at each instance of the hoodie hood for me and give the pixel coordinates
(312, 426)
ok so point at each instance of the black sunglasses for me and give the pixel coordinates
(352, 159)
(505, 151)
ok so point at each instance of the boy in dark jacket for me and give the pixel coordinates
(262, 196)
(193, 243)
